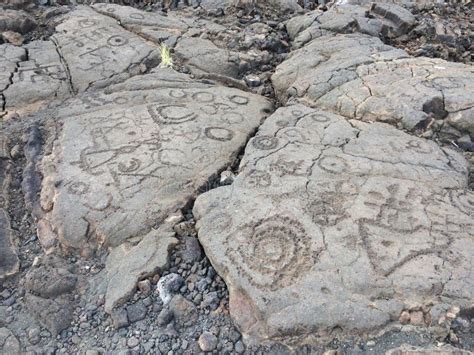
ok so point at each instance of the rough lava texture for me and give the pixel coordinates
(359, 77)
(349, 221)
(119, 169)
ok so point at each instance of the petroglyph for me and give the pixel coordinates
(326, 220)
(119, 171)
(99, 52)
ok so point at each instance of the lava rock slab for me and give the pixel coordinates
(337, 224)
(99, 52)
(359, 77)
(124, 161)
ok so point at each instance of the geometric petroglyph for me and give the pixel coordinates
(272, 253)
(99, 51)
(330, 214)
(117, 171)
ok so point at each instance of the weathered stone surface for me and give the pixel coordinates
(130, 158)
(381, 19)
(9, 344)
(54, 313)
(150, 25)
(9, 57)
(126, 265)
(50, 286)
(201, 55)
(41, 78)
(16, 21)
(9, 262)
(99, 52)
(359, 77)
(336, 223)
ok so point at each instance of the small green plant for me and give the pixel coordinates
(166, 59)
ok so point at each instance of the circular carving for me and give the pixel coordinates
(78, 188)
(178, 94)
(273, 253)
(319, 117)
(171, 114)
(464, 200)
(137, 16)
(132, 165)
(85, 23)
(202, 96)
(297, 113)
(239, 100)
(333, 164)
(117, 41)
(120, 100)
(265, 142)
(219, 133)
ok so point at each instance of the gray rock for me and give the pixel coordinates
(127, 264)
(318, 196)
(16, 21)
(55, 314)
(165, 317)
(120, 318)
(51, 278)
(381, 19)
(100, 52)
(201, 55)
(150, 25)
(184, 311)
(207, 341)
(9, 262)
(136, 312)
(359, 77)
(169, 285)
(39, 79)
(192, 250)
(9, 344)
(108, 180)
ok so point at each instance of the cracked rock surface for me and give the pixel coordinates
(359, 77)
(118, 169)
(342, 219)
(162, 206)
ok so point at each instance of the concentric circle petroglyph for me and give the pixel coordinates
(117, 41)
(272, 253)
(265, 142)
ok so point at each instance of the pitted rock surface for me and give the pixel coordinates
(360, 77)
(121, 168)
(99, 52)
(338, 224)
